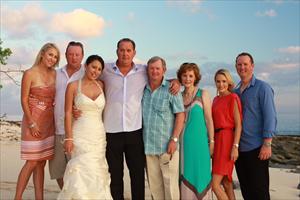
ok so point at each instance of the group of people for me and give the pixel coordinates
(147, 120)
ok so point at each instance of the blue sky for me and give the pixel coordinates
(210, 33)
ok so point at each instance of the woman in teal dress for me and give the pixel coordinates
(197, 139)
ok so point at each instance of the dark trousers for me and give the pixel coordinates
(253, 175)
(131, 144)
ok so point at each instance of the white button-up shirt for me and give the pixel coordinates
(123, 109)
(62, 80)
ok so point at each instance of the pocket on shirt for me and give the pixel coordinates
(161, 106)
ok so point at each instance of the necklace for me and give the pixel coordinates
(188, 96)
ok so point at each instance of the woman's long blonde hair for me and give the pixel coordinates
(42, 51)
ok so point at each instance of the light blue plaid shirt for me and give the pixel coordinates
(159, 108)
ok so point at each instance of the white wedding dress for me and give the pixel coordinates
(86, 175)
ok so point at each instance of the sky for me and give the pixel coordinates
(210, 33)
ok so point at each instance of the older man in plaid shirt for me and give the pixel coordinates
(163, 119)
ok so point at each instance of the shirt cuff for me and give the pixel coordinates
(268, 134)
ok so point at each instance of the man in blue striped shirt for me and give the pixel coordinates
(163, 118)
(259, 126)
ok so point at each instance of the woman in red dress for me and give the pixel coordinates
(227, 117)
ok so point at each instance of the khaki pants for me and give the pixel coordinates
(163, 176)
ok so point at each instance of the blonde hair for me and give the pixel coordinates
(43, 50)
(227, 75)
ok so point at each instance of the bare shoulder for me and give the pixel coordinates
(205, 93)
(53, 72)
(72, 86)
(29, 74)
(100, 83)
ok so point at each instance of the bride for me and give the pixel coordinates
(86, 175)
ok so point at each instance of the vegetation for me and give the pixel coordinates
(4, 54)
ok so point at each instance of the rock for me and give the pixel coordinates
(285, 150)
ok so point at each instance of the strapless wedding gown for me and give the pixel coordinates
(86, 175)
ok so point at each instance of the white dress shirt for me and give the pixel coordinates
(123, 109)
(62, 80)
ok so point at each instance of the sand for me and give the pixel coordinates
(283, 182)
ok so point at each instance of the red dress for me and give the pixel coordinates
(222, 111)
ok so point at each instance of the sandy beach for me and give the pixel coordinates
(283, 182)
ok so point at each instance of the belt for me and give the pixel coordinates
(220, 129)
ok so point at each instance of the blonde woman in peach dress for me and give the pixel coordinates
(37, 99)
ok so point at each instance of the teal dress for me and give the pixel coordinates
(195, 164)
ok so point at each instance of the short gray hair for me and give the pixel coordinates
(156, 58)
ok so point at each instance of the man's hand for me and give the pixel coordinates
(68, 146)
(265, 152)
(76, 112)
(174, 86)
(172, 147)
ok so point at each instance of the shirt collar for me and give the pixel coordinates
(163, 84)
(64, 70)
(115, 68)
(252, 83)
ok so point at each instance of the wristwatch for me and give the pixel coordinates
(267, 144)
(175, 139)
(236, 145)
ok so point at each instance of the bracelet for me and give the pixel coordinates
(236, 145)
(211, 141)
(68, 139)
(31, 125)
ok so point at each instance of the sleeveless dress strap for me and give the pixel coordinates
(98, 85)
(199, 93)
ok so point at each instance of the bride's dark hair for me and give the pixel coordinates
(92, 58)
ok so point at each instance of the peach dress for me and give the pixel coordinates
(41, 105)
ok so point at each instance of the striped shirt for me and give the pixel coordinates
(159, 109)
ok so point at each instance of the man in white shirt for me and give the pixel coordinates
(124, 85)
(72, 71)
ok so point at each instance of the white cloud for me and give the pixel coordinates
(131, 16)
(290, 50)
(79, 23)
(22, 56)
(139, 61)
(188, 55)
(192, 6)
(266, 13)
(278, 1)
(19, 23)
(32, 19)
(263, 76)
(285, 65)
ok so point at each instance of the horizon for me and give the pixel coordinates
(209, 33)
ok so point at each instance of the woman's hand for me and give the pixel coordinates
(211, 148)
(234, 153)
(35, 132)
